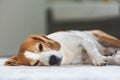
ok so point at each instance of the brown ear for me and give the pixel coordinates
(12, 61)
(38, 37)
(51, 43)
(54, 45)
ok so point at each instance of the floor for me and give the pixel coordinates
(66, 72)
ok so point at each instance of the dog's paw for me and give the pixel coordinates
(100, 61)
(116, 58)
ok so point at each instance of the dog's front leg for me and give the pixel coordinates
(93, 53)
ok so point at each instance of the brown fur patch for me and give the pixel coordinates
(106, 38)
(12, 61)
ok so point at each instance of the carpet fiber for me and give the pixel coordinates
(66, 72)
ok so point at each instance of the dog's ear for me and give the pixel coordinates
(38, 37)
(12, 61)
(54, 45)
(51, 43)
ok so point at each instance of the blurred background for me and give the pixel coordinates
(20, 18)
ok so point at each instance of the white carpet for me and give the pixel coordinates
(68, 72)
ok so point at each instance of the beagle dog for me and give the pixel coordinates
(68, 47)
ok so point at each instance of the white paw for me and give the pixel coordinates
(99, 61)
(117, 59)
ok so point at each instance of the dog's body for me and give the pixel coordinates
(74, 44)
(80, 47)
(68, 47)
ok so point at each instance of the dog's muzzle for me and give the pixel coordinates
(51, 58)
(46, 58)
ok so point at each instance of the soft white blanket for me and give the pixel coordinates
(66, 72)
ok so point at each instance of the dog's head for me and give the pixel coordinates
(37, 50)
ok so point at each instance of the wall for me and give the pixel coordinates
(19, 19)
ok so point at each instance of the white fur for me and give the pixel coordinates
(42, 57)
(73, 43)
(117, 57)
(32, 55)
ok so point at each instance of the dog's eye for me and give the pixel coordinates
(40, 47)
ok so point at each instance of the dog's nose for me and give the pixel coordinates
(54, 60)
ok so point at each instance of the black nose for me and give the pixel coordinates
(53, 60)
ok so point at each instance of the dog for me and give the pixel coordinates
(68, 47)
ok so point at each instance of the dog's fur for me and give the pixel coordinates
(68, 47)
